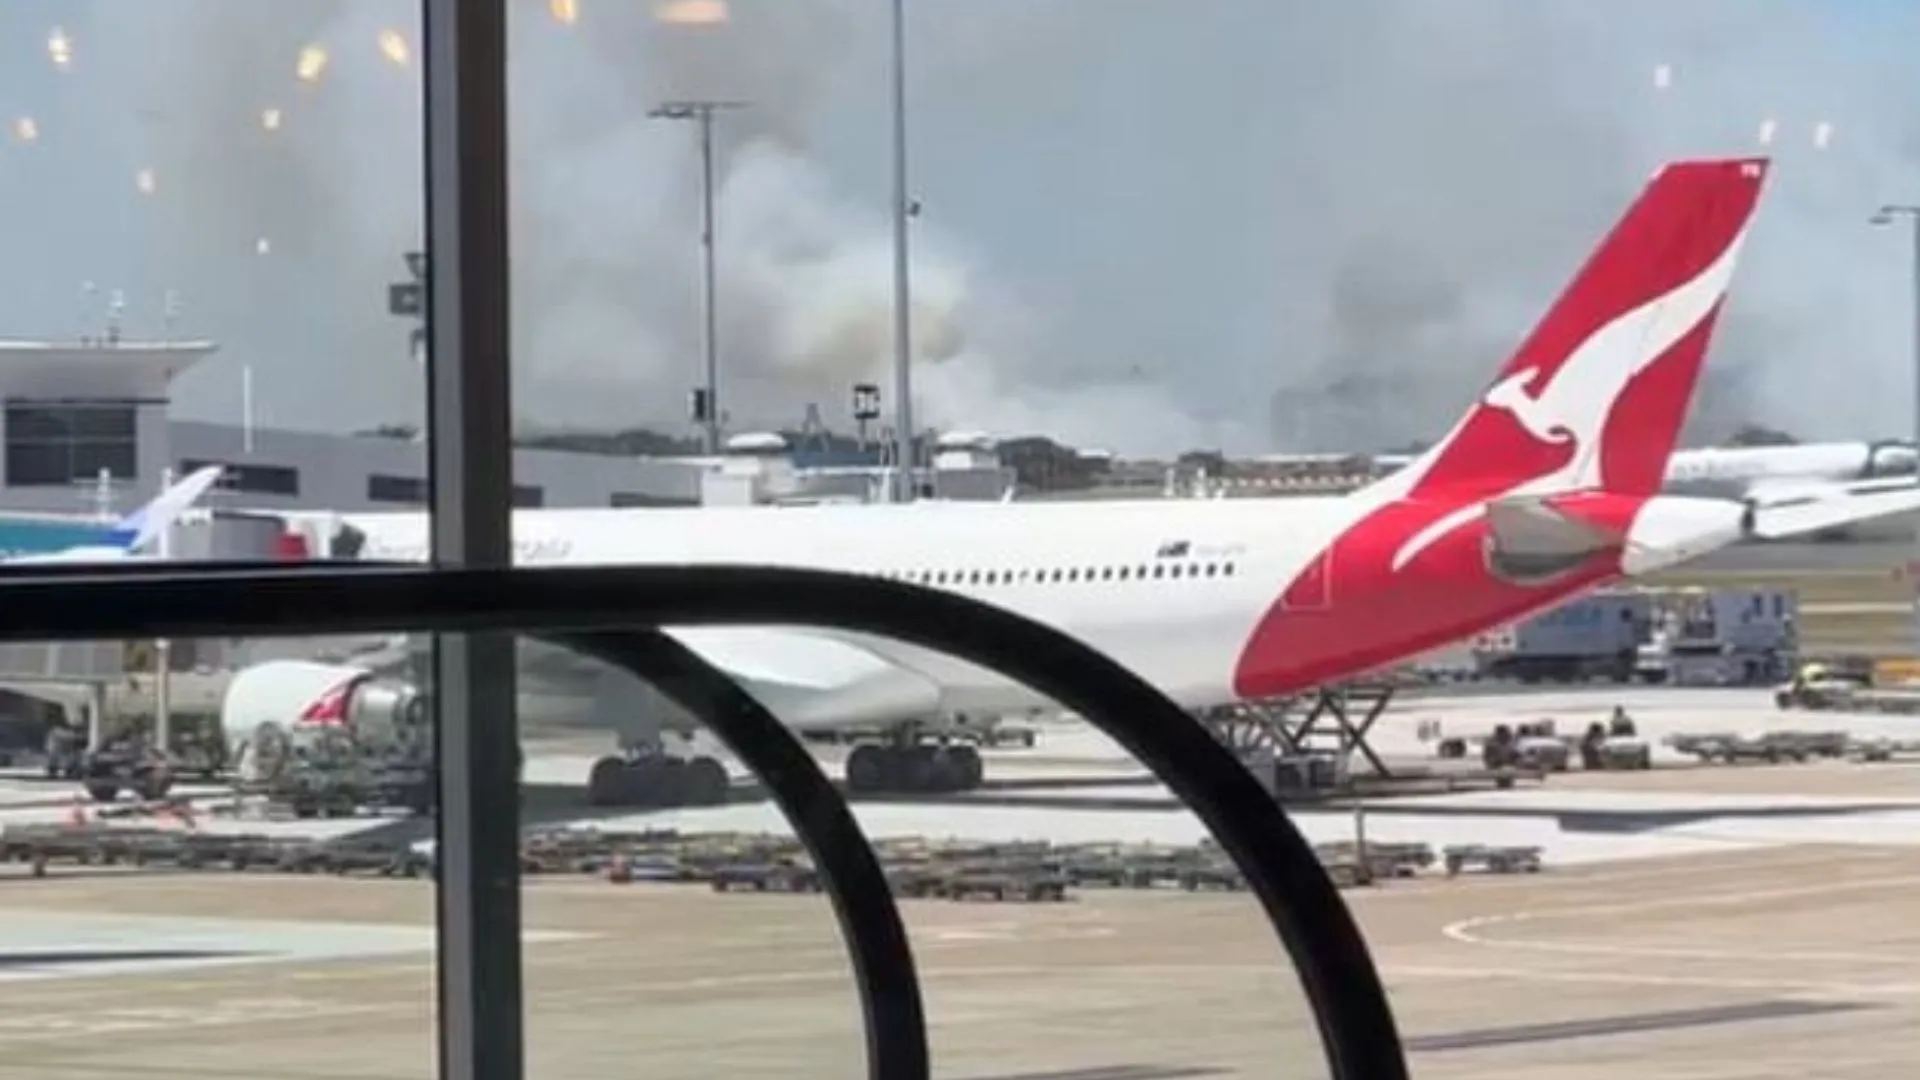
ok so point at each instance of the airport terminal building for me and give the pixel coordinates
(86, 429)
(73, 412)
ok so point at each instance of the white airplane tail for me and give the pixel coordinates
(134, 532)
(138, 529)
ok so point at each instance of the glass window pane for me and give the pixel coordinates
(117, 458)
(38, 422)
(40, 464)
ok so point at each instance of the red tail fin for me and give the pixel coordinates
(1595, 396)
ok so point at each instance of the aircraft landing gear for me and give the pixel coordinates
(913, 769)
(657, 780)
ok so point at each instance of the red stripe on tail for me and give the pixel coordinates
(1596, 394)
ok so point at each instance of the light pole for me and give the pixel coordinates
(903, 460)
(1887, 215)
(706, 405)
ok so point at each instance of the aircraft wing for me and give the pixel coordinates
(1766, 493)
(1814, 514)
(811, 680)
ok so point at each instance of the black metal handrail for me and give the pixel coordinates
(1312, 922)
(850, 871)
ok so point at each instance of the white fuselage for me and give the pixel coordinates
(1113, 575)
(1731, 471)
(1773, 473)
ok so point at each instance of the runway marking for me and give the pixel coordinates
(1279, 968)
(1467, 931)
(1596, 1027)
(1391, 972)
(17, 1026)
(1009, 931)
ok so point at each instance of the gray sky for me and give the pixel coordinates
(1149, 224)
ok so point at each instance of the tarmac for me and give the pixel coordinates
(1800, 558)
(1716, 923)
(1789, 961)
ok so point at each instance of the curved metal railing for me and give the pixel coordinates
(850, 871)
(1355, 1023)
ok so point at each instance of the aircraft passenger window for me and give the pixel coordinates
(1106, 573)
(973, 577)
(1073, 575)
(1159, 571)
(1227, 570)
(1212, 569)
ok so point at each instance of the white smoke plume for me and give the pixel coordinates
(1147, 226)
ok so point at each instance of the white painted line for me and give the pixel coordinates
(1469, 931)
(1393, 972)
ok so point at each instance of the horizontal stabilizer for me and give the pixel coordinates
(1530, 525)
(1533, 539)
(1784, 520)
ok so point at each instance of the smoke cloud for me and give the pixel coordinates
(1146, 226)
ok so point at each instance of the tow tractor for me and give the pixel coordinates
(128, 764)
(1820, 686)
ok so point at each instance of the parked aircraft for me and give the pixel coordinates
(132, 536)
(1548, 486)
(1778, 475)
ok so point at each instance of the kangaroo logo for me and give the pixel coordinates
(1572, 409)
(1510, 396)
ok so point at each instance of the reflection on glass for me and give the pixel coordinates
(172, 802)
(1158, 249)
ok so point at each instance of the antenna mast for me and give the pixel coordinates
(116, 309)
(169, 314)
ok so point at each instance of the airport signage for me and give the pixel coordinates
(407, 300)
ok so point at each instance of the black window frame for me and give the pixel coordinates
(59, 442)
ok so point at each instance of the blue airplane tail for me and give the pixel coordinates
(138, 529)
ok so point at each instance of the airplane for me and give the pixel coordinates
(1547, 487)
(1780, 475)
(1776, 475)
(131, 536)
